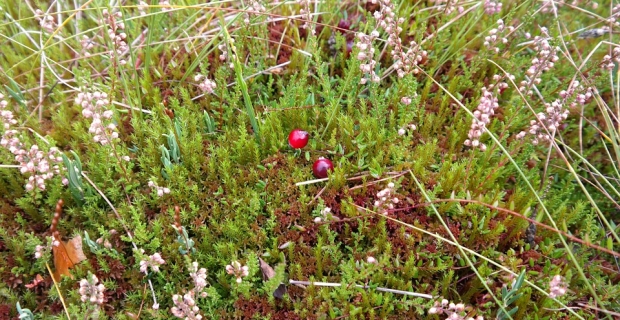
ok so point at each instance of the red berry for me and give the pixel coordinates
(298, 139)
(321, 167)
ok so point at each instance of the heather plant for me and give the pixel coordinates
(473, 152)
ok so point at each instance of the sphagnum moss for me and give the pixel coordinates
(452, 126)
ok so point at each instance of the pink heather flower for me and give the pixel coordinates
(366, 56)
(165, 5)
(609, 61)
(492, 7)
(385, 201)
(206, 86)
(557, 287)
(39, 251)
(484, 112)
(37, 164)
(498, 36)
(153, 261)
(405, 100)
(91, 291)
(117, 35)
(306, 15)
(255, 8)
(543, 61)
(236, 269)
(185, 307)
(448, 6)
(142, 6)
(453, 311)
(94, 106)
(199, 275)
(405, 62)
(46, 21)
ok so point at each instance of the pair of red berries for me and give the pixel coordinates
(298, 139)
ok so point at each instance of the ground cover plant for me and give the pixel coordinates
(309, 159)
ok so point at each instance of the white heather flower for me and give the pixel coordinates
(90, 291)
(237, 270)
(159, 190)
(401, 132)
(405, 100)
(371, 259)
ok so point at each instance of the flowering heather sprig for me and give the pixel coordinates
(46, 21)
(206, 85)
(385, 199)
(306, 15)
(91, 291)
(577, 94)
(498, 35)
(448, 6)
(453, 311)
(142, 6)
(237, 270)
(116, 32)
(557, 287)
(484, 112)
(404, 61)
(492, 7)
(224, 56)
(40, 251)
(165, 5)
(326, 214)
(160, 190)
(153, 261)
(543, 61)
(366, 56)
(87, 45)
(255, 8)
(39, 165)
(199, 275)
(185, 307)
(403, 131)
(609, 61)
(94, 105)
(552, 117)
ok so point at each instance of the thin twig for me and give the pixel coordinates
(332, 284)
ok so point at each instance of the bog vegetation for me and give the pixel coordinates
(146, 170)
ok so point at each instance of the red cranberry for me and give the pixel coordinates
(298, 139)
(321, 167)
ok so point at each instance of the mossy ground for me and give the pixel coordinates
(237, 186)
